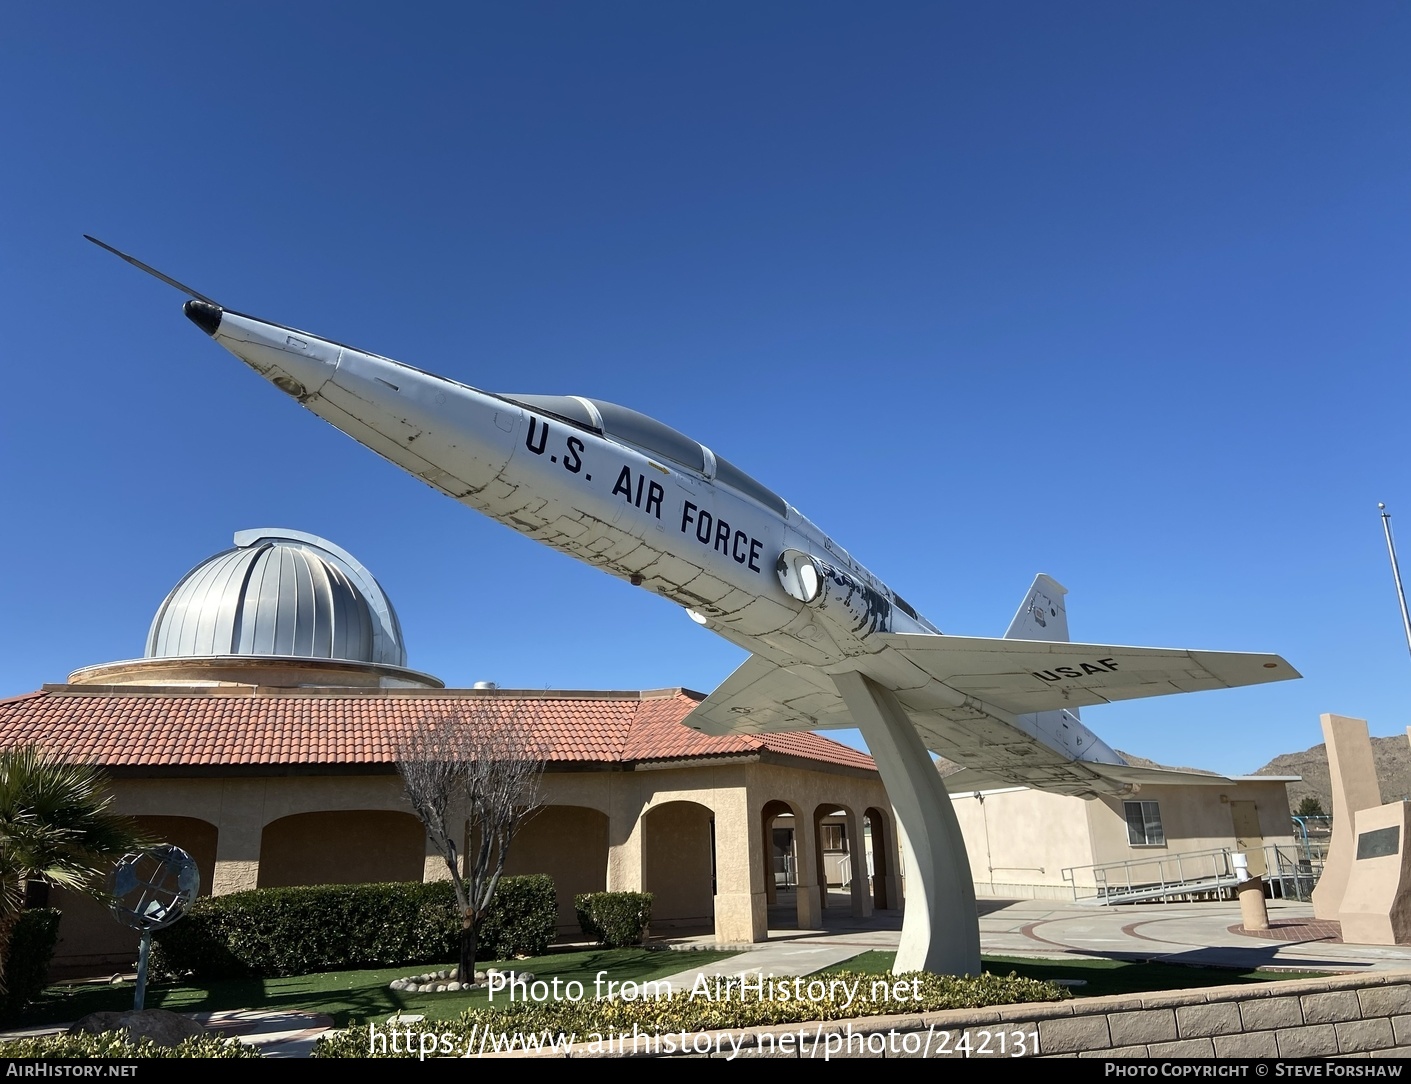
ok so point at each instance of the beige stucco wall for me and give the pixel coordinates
(240, 808)
(196, 837)
(638, 863)
(1020, 841)
(604, 829)
(650, 830)
(91, 941)
(235, 813)
(1194, 818)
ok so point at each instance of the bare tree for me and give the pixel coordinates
(474, 775)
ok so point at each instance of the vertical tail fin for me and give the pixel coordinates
(1042, 616)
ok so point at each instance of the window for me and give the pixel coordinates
(835, 837)
(623, 423)
(650, 435)
(1144, 824)
(735, 478)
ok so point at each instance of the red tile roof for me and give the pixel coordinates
(289, 727)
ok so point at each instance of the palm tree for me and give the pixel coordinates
(56, 826)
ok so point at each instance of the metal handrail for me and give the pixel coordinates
(1187, 872)
(1295, 873)
(1154, 875)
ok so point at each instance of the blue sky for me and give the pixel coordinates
(1111, 291)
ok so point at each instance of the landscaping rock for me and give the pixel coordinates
(161, 1026)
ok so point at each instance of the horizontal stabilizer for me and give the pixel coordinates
(1126, 776)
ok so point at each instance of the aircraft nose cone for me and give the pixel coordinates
(204, 315)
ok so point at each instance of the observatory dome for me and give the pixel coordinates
(279, 593)
(283, 609)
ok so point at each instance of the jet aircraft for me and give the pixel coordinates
(830, 644)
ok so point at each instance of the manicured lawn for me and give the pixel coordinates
(350, 996)
(1102, 977)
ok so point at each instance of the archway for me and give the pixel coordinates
(333, 847)
(780, 870)
(90, 936)
(570, 843)
(678, 863)
(886, 891)
(196, 837)
(840, 856)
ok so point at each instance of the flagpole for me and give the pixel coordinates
(1396, 574)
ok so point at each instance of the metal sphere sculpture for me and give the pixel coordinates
(153, 888)
(149, 890)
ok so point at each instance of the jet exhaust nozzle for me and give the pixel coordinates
(204, 315)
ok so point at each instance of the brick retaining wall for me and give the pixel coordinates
(1346, 1015)
(1367, 1015)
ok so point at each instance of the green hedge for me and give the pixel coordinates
(31, 949)
(297, 931)
(614, 919)
(523, 919)
(116, 1044)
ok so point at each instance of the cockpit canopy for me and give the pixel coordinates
(631, 427)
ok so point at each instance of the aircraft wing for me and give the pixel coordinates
(761, 697)
(1023, 676)
(975, 701)
(1019, 677)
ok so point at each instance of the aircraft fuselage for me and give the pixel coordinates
(633, 511)
(625, 493)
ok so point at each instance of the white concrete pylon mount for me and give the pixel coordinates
(941, 928)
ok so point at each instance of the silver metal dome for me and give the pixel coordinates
(282, 593)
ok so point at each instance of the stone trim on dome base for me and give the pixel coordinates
(271, 671)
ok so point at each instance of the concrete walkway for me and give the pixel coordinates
(276, 1034)
(1200, 934)
(1197, 934)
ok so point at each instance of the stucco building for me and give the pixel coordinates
(1029, 843)
(260, 732)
